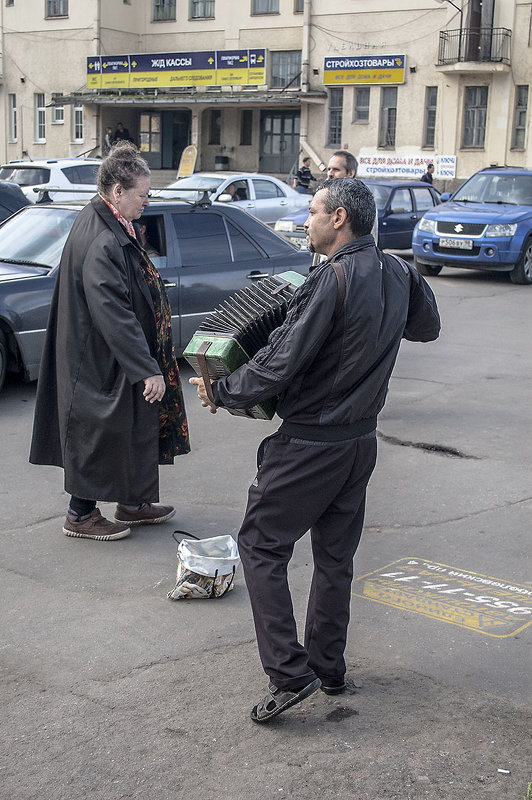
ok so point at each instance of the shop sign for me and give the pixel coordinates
(379, 164)
(360, 70)
(154, 70)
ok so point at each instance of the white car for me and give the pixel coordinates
(262, 196)
(78, 174)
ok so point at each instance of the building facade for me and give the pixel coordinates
(254, 84)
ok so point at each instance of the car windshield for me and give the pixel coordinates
(36, 235)
(380, 194)
(25, 176)
(485, 187)
(197, 182)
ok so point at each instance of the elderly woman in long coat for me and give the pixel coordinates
(109, 401)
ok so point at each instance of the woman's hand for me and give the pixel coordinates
(202, 394)
(154, 388)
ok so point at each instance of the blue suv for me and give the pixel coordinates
(486, 225)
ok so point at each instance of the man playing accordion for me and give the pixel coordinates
(330, 363)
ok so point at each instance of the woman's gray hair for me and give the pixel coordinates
(356, 198)
(123, 165)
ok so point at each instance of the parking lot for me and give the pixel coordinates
(109, 690)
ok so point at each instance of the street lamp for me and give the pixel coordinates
(461, 23)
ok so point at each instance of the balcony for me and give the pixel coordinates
(475, 50)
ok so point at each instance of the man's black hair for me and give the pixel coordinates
(356, 198)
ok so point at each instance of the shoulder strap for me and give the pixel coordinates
(340, 277)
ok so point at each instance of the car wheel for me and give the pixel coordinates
(429, 270)
(3, 359)
(522, 272)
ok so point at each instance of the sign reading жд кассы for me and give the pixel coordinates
(153, 70)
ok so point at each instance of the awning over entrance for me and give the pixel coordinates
(186, 97)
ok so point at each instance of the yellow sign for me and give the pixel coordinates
(350, 70)
(493, 606)
(199, 68)
(187, 162)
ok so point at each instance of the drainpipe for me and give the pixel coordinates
(98, 48)
(4, 94)
(305, 72)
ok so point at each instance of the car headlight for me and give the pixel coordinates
(285, 225)
(501, 229)
(426, 225)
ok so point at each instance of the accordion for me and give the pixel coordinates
(236, 330)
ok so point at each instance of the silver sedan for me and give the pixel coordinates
(262, 196)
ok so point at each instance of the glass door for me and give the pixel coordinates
(150, 138)
(279, 141)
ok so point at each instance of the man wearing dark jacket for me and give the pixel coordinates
(330, 363)
(427, 177)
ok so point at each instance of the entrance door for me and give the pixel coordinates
(176, 136)
(150, 138)
(279, 140)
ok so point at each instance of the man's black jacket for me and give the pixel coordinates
(331, 370)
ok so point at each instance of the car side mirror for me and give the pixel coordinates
(224, 198)
(444, 196)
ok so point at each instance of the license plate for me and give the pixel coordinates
(457, 244)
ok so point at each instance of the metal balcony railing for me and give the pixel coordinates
(475, 44)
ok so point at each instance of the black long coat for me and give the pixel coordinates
(90, 417)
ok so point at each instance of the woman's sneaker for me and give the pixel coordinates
(95, 527)
(147, 514)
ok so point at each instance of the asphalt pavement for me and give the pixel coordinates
(110, 690)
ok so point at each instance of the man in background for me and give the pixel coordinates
(427, 177)
(303, 177)
(343, 164)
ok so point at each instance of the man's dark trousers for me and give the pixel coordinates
(304, 485)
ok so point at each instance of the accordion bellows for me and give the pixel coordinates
(236, 330)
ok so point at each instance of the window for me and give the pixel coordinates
(40, 117)
(57, 8)
(77, 123)
(401, 202)
(265, 6)
(215, 126)
(361, 104)
(429, 129)
(298, 6)
(423, 197)
(241, 190)
(243, 249)
(12, 118)
(58, 115)
(388, 117)
(163, 10)
(266, 190)
(10, 2)
(207, 228)
(286, 69)
(334, 129)
(25, 176)
(246, 126)
(521, 105)
(83, 173)
(199, 9)
(475, 112)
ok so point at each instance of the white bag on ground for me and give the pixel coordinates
(205, 567)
